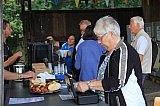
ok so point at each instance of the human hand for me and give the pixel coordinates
(69, 53)
(50, 38)
(29, 74)
(81, 86)
(18, 54)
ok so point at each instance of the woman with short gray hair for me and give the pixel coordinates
(119, 78)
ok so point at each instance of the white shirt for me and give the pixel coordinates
(133, 97)
(142, 44)
(80, 41)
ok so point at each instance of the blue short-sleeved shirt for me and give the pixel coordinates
(68, 58)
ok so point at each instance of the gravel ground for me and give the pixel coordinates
(151, 87)
(151, 90)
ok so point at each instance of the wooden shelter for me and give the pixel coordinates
(59, 23)
(39, 24)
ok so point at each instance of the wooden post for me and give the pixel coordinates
(1, 59)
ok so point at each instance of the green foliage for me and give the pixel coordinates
(11, 13)
(70, 4)
(131, 4)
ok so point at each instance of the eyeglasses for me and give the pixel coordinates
(100, 38)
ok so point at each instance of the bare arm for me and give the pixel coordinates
(12, 59)
(54, 42)
(96, 85)
(141, 57)
(12, 76)
(83, 86)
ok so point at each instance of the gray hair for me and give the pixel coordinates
(105, 25)
(138, 19)
(87, 22)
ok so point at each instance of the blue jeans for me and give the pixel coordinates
(143, 78)
(5, 90)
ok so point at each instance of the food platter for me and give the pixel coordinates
(43, 93)
(50, 87)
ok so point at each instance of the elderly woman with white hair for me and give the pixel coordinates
(119, 78)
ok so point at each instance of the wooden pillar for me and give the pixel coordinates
(1, 60)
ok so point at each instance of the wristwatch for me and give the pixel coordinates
(89, 83)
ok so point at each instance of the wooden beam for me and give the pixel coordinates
(1, 60)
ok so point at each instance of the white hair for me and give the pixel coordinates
(138, 19)
(87, 22)
(105, 25)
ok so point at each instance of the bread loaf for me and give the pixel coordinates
(54, 86)
(36, 81)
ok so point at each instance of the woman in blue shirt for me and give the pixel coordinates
(69, 45)
(88, 55)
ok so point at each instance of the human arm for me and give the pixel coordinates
(94, 84)
(69, 53)
(107, 83)
(12, 59)
(140, 57)
(53, 41)
(12, 76)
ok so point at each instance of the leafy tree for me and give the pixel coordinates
(11, 13)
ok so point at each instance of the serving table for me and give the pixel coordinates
(16, 90)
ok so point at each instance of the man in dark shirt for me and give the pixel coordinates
(9, 58)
